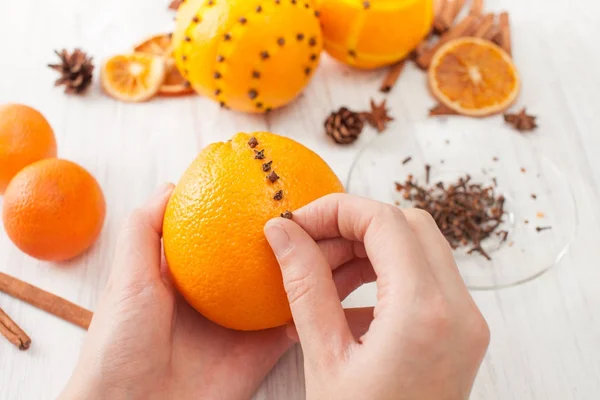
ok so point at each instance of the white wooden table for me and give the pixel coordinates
(545, 334)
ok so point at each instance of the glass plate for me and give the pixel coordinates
(537, 193)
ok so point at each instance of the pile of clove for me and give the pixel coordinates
(467, 213)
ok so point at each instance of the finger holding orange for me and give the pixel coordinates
(25, 137)
(246, 55)
(214, 242)
(53, 210)
(374, 33)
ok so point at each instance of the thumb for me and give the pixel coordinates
(138, 254)
(316, 308)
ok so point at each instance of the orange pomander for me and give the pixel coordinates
(374, 33)
(251, 56)
(214, 242)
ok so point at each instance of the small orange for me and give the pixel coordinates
(53, 210)
(246, 55)
(25, 137)
(133, 77)
(474, 77)
(161, 45)
(374, 33)
(213, 234)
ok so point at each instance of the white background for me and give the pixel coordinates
(545, 334)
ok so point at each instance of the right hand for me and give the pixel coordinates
(425, 339)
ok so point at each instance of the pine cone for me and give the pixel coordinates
(344, 126)
(75, 69)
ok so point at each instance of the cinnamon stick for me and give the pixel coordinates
(447, 15)
(392, 76)
(463, 28)
(485, 24)
(45, 301)
(441, 10)
(442, 23)
(11, 331)
(421, 48)
(458, 6)
(476, 8)
(492, 33)
(438, 6)
(505, 41)
(440, 110)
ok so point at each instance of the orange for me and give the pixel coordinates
(53, 210)
(474, 77)
(25, 137)
(133, 77)
(246, 55)
(374, 33)
(160, 45)
(217, 253)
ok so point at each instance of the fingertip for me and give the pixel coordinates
(162, 191)
(272, 223)
(277, 236)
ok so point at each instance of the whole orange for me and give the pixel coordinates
(374, 33)
(217, 253)
(53, 210)
(25, 137)
(247, 55)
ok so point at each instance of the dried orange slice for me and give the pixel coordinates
(474, 77)
(133, 77)
(160, 45)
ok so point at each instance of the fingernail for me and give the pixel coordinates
(277, 237)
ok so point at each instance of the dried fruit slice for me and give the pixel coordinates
(160, 45)
(474, 77)
(133, 77)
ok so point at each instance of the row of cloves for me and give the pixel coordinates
(272, 175)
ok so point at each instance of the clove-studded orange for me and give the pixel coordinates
(214, 243)
(250, 56)
(374, 33)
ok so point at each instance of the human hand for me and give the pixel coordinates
(427, 337)
(146, 342)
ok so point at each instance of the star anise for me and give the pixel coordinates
(521, 121)
(378, 117)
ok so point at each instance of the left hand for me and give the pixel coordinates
(146, 342)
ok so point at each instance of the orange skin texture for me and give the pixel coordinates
(53, 210)
(25, 137)
(218, 48)
(382, 34)
(214, 243)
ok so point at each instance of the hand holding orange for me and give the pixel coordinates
(248, 56)
(213, 234)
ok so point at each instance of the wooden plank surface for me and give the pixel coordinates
(545, 334)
